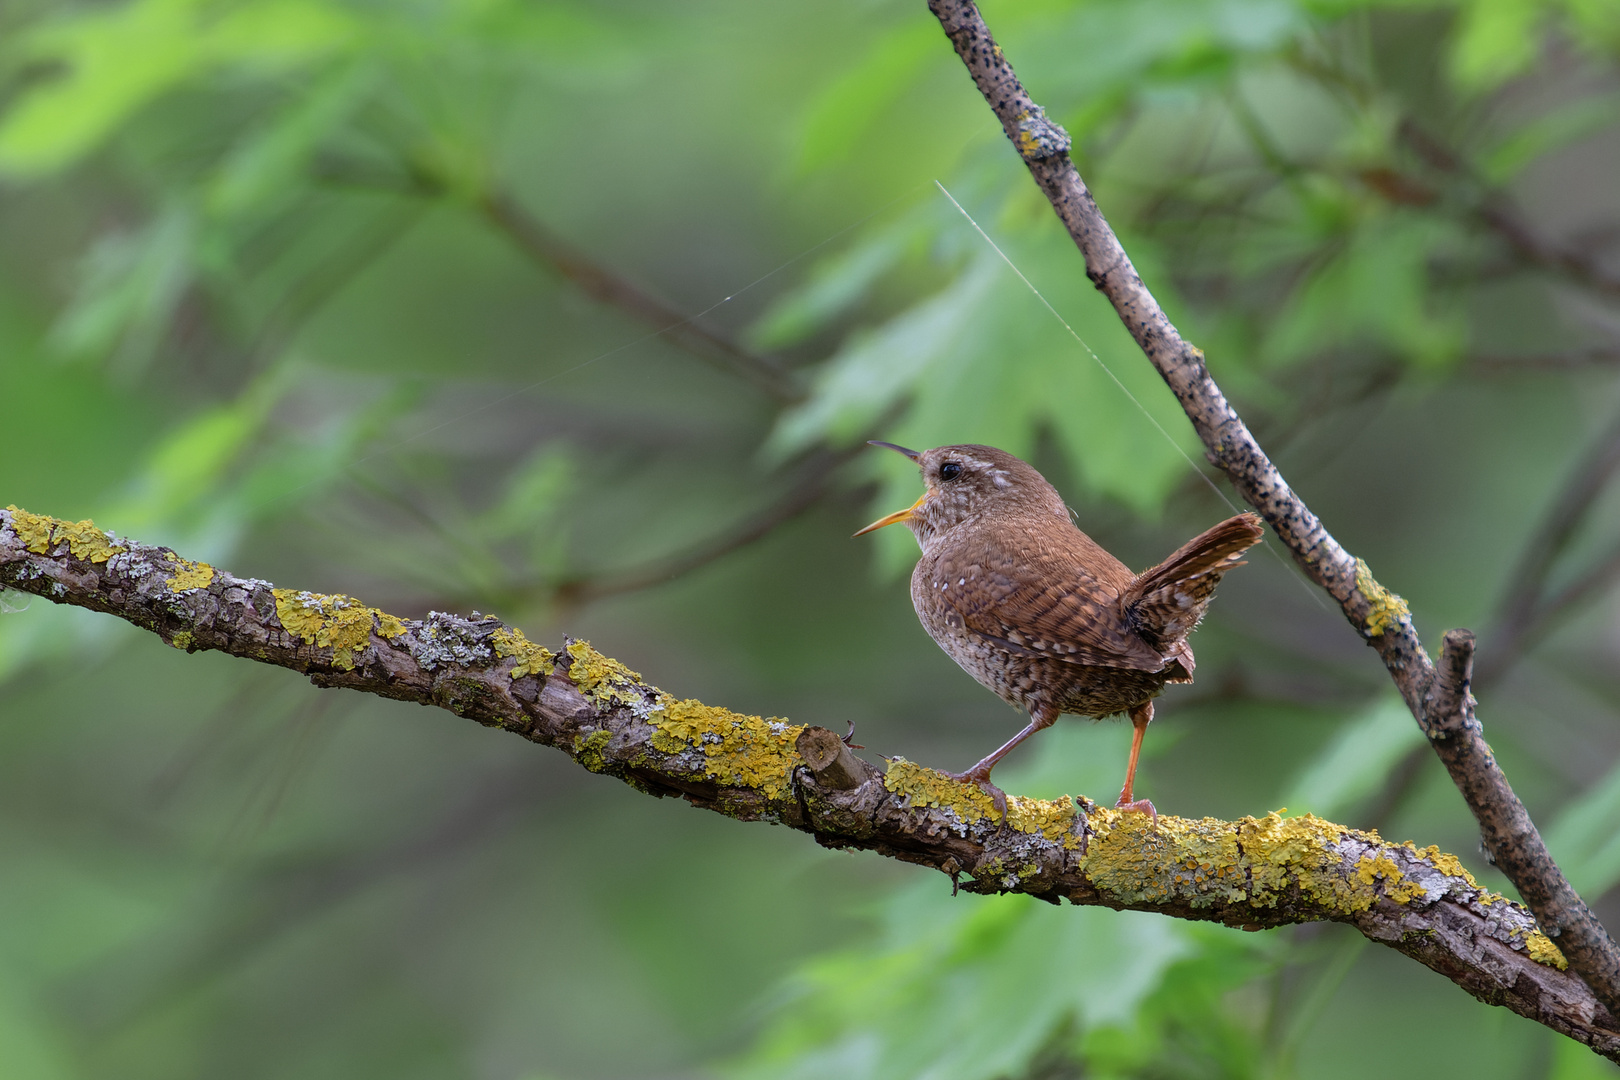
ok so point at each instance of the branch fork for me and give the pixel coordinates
(1439, 701)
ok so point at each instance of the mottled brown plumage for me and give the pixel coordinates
(1037, 611)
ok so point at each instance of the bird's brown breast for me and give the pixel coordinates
(1032, 608)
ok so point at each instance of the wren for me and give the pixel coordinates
(1038, 612)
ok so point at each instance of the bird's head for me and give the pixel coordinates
(968, 482)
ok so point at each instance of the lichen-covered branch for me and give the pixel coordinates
(1251, 873)
(1511, 839)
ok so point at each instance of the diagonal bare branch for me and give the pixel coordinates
(1497, 211)
(815, 478)
(1381, 617)
(1252, 873)
(542, 245)
(1526, 606)
(546, 247)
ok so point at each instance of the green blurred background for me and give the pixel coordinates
(577, 313)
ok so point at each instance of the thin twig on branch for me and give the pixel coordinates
(1498, 213)
(1526, 607)
(1510, 838)
(540, 244)
(1574, 360)
(1252, 873)
(815, 478)
(545, 246)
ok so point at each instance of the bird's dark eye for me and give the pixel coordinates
(950, 470)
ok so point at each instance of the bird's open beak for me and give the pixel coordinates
(898, 515)
(912, 454)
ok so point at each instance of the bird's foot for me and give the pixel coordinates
(849, 738)
(1138, 806)
(982, 778)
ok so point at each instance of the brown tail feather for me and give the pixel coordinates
(1166, 602)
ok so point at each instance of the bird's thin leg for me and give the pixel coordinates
(1141, 717)
(1042, 716)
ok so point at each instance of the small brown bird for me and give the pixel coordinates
(1038, 612)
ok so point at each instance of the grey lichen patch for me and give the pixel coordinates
(1511, 924)
(1038, 137)
(445, 639)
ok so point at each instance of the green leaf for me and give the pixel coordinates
(878, 368)
(1019, 369)
(272, 160)
(1573, 1061)
(1548, 132)
(129, 287)
(1094, 49)
(1375, 289)
(834, 287)
(841, 115)
(117, 60)
(34, 1048)
(1496, 40)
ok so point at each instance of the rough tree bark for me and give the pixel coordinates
(1251, 873)
(1439, 699)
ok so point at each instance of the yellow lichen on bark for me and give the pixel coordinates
(738, 750)
(40, 532)
(1385, 609)
(1140, 861)
(190, 575)
(33, 529)
(531, 658)
(335, 621)
(1372, 869)
(598, 677)
(588, 750)
(1446, 864)
(924, 787)
(1255, 860)
(1539, 947)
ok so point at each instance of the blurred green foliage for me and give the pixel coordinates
(443, 303)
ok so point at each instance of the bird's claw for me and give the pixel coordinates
(1138, 806)
(998, 798)
(849, 735)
